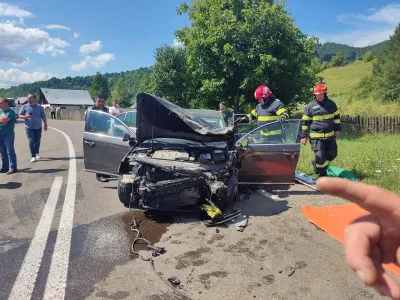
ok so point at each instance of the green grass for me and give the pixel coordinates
(374, 159)
(342, 81)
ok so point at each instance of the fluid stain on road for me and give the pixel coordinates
(151, 227)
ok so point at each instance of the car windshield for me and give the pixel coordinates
(129, 118)
(215, 120)
(11, 102)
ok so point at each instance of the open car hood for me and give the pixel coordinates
(159, 118)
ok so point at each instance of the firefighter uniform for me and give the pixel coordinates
(319, 123)
(266, 113)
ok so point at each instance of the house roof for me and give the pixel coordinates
(67, 97)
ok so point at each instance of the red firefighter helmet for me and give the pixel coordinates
(262, 92)
(320, 88)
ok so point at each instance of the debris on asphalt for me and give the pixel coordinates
(289, 271)
(217, 230)
(201, 233)
(240, 222)
(174, 280)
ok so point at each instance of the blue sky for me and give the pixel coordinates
(43, 38)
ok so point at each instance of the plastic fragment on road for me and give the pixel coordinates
(212, 210)
(334, 219)
(332, 171)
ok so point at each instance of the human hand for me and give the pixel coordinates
(371, 240)
(304, 141)
(337, 134)
(45, 127)
(28, 116)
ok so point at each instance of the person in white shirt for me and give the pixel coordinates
(115, 109)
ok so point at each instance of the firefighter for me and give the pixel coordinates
(268, 109)
(321, 124)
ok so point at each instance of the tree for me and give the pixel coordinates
(387, 68)
(338, 60)
(99, 86)
(369, 56)
(120, 93)
(171, 77)
(233, 46)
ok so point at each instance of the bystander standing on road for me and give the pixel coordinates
(53, 112)
(115, 109)
(58, 113)
(33, 114)
(99, 104)
(227, 114)
(7, 137)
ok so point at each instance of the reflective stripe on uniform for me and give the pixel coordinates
(325, 164)
(267, 118)
(336, 121)
(254, 113)
(281, 111)
(323, 117)
(336, 113)
(306, 118)
(272, 132)
(321, 135)
(304, 127)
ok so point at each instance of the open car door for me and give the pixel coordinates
(271, 158)
(103, 147)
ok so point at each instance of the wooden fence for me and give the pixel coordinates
(372, 124)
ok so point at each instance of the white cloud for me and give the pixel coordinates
(15, 41)
(367, 29)
(57, 27)
(12, 77)
(93, 46)
(358, 38)
(76, 35)
(177, 43)
(24, 63)
(9, 10)
(97, 62)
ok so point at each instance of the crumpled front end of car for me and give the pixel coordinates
(180, 179)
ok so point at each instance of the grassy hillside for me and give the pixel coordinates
(341, 83)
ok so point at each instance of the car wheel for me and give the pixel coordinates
(124, 192)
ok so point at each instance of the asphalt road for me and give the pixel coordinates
(65, 235)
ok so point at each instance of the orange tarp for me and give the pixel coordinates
(334, 219)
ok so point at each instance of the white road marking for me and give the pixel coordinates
(57, 279)
(25, 282)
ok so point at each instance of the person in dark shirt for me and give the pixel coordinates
(226, 114)
(99, 104)
(321, 124)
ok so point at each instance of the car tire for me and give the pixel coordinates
(124, 192)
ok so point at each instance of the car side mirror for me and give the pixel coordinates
(244, 143)
(126, 137)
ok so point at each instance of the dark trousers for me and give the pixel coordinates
(34, 137)
(325, 151)
(53, 115)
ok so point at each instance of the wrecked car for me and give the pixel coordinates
(177, 160)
